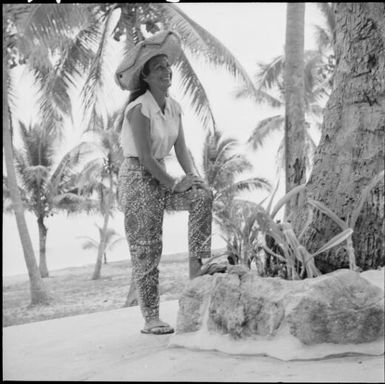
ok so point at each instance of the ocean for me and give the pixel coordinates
(64, 247)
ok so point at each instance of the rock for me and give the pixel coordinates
(340, 307)
(226, 313)
(192, 304)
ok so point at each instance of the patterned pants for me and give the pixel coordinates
(143, 200)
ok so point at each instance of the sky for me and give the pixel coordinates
(253, 32)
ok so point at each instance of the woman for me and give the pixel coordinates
(151, 128)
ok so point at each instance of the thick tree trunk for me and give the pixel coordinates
(39, 294)
(42, 247)
(295, 157)
(351, 149)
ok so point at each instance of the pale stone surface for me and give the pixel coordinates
(107, 346)
(340, 307)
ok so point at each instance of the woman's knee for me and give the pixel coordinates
(204, 195)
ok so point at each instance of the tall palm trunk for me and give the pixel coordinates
(39, 294)
(351, 149)
(42, 247)
(103, 237)
(295, 156)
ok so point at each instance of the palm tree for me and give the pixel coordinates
(351, 150)
(12, 15)
(53, 41)
(39, 294)
(269, 78)
(295, 159)
(45, 187)
(111, 239)
(73, 37)
(135, 22)
(269, 82)
(221, 166)
(100, 176)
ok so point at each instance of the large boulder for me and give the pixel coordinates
(340, 307)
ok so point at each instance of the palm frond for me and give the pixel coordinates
(246, 185)
(322, 38)
(63, 172)
(328, 11)
(48, 24)
(95, 79)
(264, 128)
(112, 245)
(192, 86)
(91, 173)
(280, 160)
(73, 203)
(268, 75)
(259, 96)
(199, 41)
(90, 243)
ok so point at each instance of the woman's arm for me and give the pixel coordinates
(185, 160)
(182, 152)
(141, 131)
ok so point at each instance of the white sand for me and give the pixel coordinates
(108, 346)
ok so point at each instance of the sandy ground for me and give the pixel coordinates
(108, 346)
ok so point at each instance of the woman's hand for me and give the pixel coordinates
(190, 181)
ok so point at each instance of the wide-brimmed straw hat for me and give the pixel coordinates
(166, 42)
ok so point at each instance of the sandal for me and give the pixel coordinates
(158, 330)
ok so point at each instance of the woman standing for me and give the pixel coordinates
(152, 126)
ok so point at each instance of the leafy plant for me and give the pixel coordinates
(249, 226)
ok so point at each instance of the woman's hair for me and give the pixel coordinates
(143, 86)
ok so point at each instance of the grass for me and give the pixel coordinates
(74, 293)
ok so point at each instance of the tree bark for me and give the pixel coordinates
(351, 149)
(295, 156)
(102, 244)
(42, 247)
(39, 294)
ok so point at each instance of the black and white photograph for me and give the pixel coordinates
(193, 191)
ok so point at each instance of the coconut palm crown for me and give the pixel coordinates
(46, 186)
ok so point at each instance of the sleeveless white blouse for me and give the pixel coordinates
(164, 127)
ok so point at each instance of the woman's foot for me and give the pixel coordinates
(157, 327)
(195, 266)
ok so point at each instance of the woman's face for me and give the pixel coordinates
(160, 73)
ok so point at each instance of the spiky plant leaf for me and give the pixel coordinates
(286, 198)
(338, 239)
(364, 195)
(324, 209)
